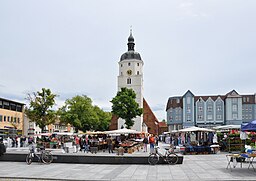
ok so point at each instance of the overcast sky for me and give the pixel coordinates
(73, 47)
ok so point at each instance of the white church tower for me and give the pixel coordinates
(131, 76)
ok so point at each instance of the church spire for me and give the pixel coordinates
(131, 42)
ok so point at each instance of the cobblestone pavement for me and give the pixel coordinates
(194, 167)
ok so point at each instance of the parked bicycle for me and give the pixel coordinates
(170, 157)
(42, 155)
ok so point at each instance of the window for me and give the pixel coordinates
(15, 119)
(1, 118)
(170, 118)
(219, 108)
(188, 100)
(18, 120)
(209, 117)
(244, 99)
(234, 108)
(13, 106)
(188, 118)
(200, 108)
(178, 100)
(188, 110)
(121, 73)
(234, 100)
(8, 118)
(1, 104)
(138, 73)
(219, 117)
(176, 118)
(250, 108)
(6, 105)
(234, 116)
(200, 117)
(19, 108)
(121, 65)
(138, 64)
(248, 99)
(129, 64)
(171, 110)
(129, 81)
(209, 108)
(11, 119)
(250, 116)
(4, 118)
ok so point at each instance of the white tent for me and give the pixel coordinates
(122, 131)
(227, 127)
(194, 128)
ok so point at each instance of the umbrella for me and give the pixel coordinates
(251, 126)
(194, 128)
(122, 131)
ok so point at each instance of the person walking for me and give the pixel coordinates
(110, 144)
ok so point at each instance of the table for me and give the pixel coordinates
(232, 158)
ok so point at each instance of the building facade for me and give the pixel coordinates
(11, 117)
(131, 76)
(210, 111)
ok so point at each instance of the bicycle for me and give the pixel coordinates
(170, 157)
(43, 156)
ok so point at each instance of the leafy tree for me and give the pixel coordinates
(39, 110)
(104, 119)
(125, 106)
(80, 113)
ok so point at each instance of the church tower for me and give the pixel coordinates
(131, 76)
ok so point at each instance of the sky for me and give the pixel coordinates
(73, 47)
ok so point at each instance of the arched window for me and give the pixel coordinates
(129, 81)
(138, 73)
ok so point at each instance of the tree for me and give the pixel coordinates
(125, 106)
(39, 110)
(80, 113)
(104, 119)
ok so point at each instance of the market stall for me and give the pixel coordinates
(197, 140)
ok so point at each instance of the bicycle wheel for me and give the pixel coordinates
(172, 158)
(29, 159)
(47, 157)
(153, 159)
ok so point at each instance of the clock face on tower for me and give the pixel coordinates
(129, 72)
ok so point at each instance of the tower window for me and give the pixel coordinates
(138, 73)
(129, 64)
(138, 64)
(129, 81)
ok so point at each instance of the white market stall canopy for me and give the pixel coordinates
(122, 131)
(194, 128)
(227, 127)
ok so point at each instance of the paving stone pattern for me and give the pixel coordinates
(194, 167)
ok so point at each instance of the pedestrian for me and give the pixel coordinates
(152, 143)
(110, 144)
(86, 144)
(145, 142)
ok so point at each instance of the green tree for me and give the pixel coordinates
(40, 108)
(125, 106)
(80, 113)
(104, 119)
